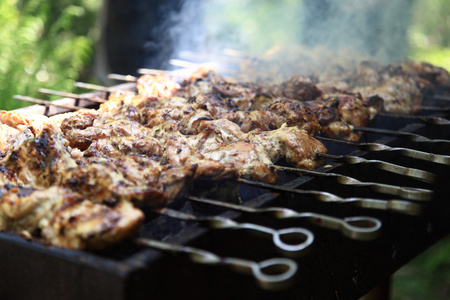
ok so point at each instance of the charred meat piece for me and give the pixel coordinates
(291, 143)
(82, 138)
(111, 181)
(118, 146)
(156, 87)
(292, 112)
(38, 162)
(250, 159)
(400, 94)
(180, 152)
(63, 218)
(298, 87)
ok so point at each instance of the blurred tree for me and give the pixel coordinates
(43, 43)
(429, 33)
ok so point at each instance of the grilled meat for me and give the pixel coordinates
(338, 113)
(145, 150)
(291, 143)
(249, 158)
(65, 219)
(220, 102)
(282, 111)
(40, 161)
(400, 94)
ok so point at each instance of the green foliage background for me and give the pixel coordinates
(44, 43)
(50, 44)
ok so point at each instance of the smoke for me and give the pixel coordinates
(369, 28)
(248, 26)
(373, 28)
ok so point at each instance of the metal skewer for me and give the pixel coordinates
(404, 192)
(426, 119)
(400, 206)
(441, 97)
(95, 87)
(436, 158)
(190, 65)
(408, 172)
(433, 108)
(46, 102)
(190, 55)
(412, 136)
(71, 95)
(305, 236)
(128, 78)
(359, 227)
(180, 73)
(271, 274)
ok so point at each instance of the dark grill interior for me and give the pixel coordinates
(334, 267)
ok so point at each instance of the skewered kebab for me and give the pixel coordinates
(92, 181)
(336, 113)
(402, 85)
(220, 131)
(66, 219)
(129, 113)
(218, 159)
(45, 160)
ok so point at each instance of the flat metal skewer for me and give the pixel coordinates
(441, 97)
(426, 119)
(426, 156)
(180, 73)
(303, 235)
(358, 227)
(46, 102)
(128, 78)
(95, 87)
(411, 136)
(400, 206)
(393, 168)
(404, 192)
(271, 274)
(71, 95)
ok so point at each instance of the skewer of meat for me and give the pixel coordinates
(64, 218)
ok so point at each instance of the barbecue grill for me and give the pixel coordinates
(343, 258)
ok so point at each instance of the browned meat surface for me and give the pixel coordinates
(156, 87)
(338, 113)
(65, 219)
(434, 74)
(250, 159)
(400, 94)
(118, 146)
(298, 87)
(291, 143)
(293, 113)
(145, 150)
(38, 162)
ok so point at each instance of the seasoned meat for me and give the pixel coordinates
(250, 159)
(300, 88)
(117, 146)
(291, 143)
(38, 162)
(65, 219)
(400, 94)
(293, 113)
(82, 138)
